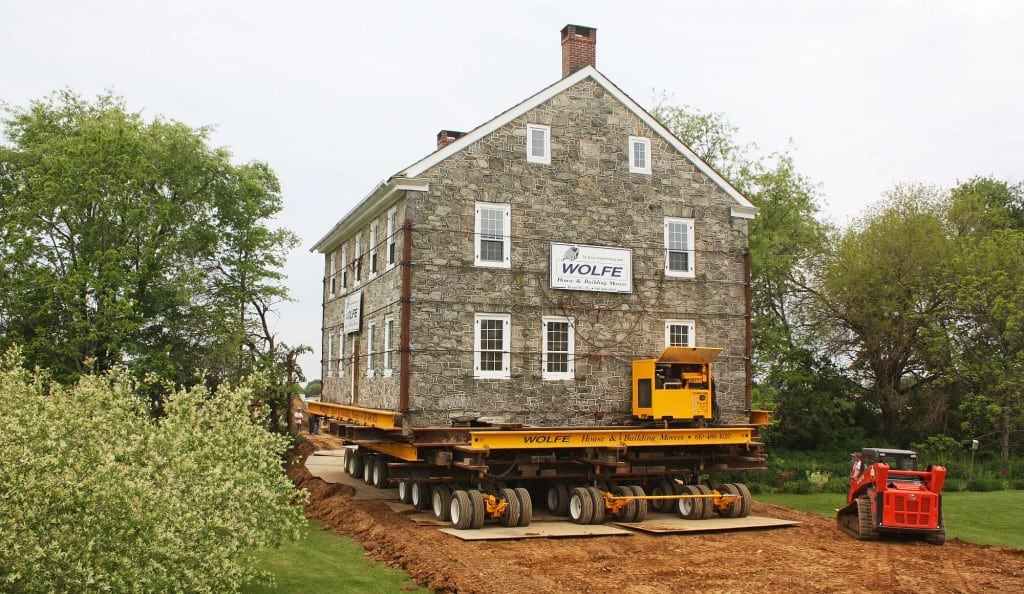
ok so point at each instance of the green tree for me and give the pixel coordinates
(783, 238)
(134, 243)
(882, 303)
(98, 495)
(985, 216)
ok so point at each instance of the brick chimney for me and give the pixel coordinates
(446, 137)
(579, 48)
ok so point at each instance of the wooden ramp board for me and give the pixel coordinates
(543, 530)
(330, 468)
(668, 524)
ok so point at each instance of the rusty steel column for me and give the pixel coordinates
(749, 339)
(404, 337)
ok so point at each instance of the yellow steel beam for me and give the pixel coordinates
(603, 438)
(370, 417)
(402, 451)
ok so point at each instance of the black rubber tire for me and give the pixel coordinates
(641, 504)
(405, 491)
(711, 484)
(420, 496)
(745, 499)
(709, 505)
(440, 503)
(479, 509)
(512, 509)
(558, 498)
(380, 473)
(598, 499)
(525, 506)
(735, 505)
(661, 488)
(690, 509)
(581, 506)
(368, 469)
(936, 538)
(354, 464)
(627, 512)
(461, 510)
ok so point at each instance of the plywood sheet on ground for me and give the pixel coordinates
(669, 524)
(544, 530)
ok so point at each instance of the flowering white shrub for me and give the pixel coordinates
(97, 495)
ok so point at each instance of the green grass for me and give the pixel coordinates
(327, 563)
(991, 518)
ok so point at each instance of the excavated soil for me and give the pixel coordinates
(813, 556)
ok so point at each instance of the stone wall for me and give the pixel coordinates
(586, 195)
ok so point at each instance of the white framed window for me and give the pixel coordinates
(344, 267)
(538, 144)
(679, 333)
(357, 262)
(373, 249)
(558, 348)
(493, 235)
(371, 337)
(639, 155)
(492, 340)
(332, 277)
(389, 345)
(679, 247)
(341, 354)
(392, 230)
(330, 354)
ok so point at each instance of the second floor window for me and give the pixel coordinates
(493, 235)
(491, 352)
(557, 361)
(679, 333)
(679, 247)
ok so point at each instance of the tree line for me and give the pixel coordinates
(904, 327)
(133, 243)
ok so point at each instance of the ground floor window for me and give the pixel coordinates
(492, 346)
(679, 333)
(557, 348)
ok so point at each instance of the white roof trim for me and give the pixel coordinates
(744, 208)
(380, 198)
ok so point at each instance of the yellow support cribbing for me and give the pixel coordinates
(369, 417)
(604, 438)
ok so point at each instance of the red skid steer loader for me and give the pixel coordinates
(889, 496)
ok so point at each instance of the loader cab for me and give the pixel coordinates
(675, 387)
(896, 459)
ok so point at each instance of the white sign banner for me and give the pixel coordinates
(590, 268)
(353, 312)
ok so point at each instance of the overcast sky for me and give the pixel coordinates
(337, 96)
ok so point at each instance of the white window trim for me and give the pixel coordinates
(357, 265)
(633, 168)
(391, 243)
(544, 159)
(506, 238)
(330, 354)
(374, 264)
(690, 333)
(688, 248)
(371, 336)
(344, 268)
(341, 354)
(332, 278)
(389, 359)
(570, 372)
(506, 347)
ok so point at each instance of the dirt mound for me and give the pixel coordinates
(812, 557)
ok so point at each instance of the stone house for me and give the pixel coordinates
(517, 271)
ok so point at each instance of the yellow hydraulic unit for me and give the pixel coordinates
(677, 386)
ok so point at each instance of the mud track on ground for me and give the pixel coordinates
(814, 556)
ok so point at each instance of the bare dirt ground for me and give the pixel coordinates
(811, 557)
